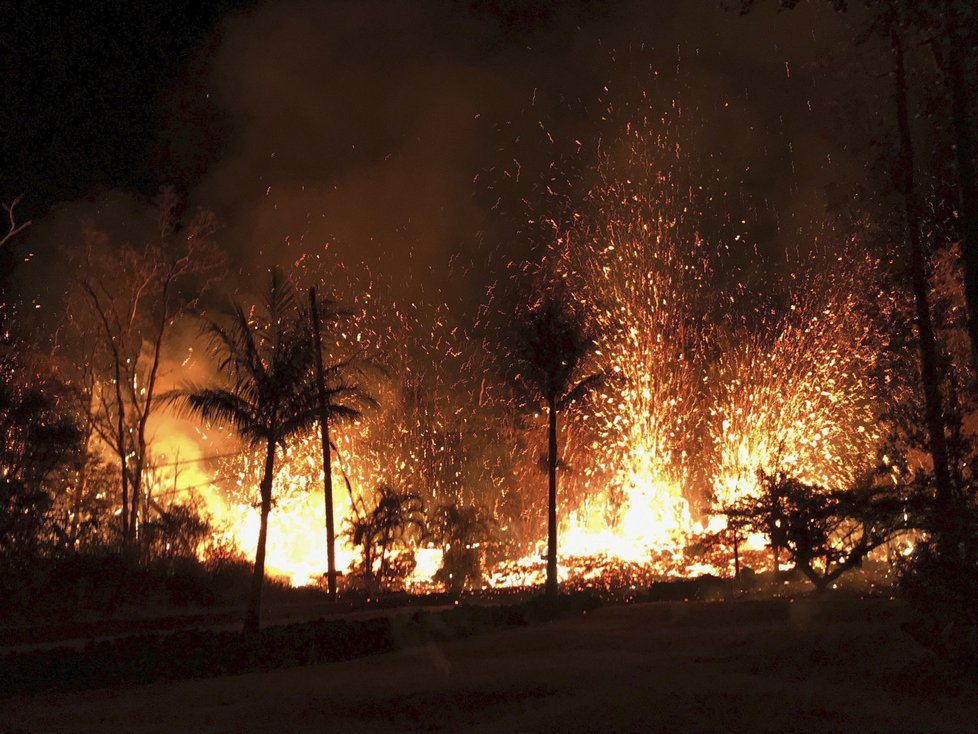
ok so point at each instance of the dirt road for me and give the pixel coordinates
(807, 666)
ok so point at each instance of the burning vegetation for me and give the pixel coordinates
(687, 388)
(645, 396)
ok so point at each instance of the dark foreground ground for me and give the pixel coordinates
(839, 665)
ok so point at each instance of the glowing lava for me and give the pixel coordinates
(698, 402)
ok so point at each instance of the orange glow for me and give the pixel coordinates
(698, 402)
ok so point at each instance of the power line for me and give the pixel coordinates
(177, 462)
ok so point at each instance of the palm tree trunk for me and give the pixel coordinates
(252, 622)
(551, 587)
(324, 435)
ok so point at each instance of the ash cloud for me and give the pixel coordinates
(415, 137)
(410, 135)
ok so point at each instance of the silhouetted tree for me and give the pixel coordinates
(81, 516)
(551, 352)
(37, 437)
(266, 395)
(131, 297)
(8, 263)
(177, 530)
(927, 343)
(949, 28)
(951, 24)
(900, 23)
(396, 519)
(824, 532)
(461, 531)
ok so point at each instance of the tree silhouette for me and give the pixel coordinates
(8, 263)
(37, 437)
(948, 28)
(39, 434)
(824, 532)
(267, 396)
(551, 350)
(126, 301)
(461, 530)
(394, 518)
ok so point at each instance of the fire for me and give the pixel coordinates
(296, 544)
(796, 395)
(700, 400)
(639, 270)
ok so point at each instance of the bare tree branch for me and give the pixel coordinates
(13, 229)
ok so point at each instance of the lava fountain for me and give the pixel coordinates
(701, 401)
(709, 385)
(794, 392)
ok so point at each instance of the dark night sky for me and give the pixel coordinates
(82, 90)
(395, 130)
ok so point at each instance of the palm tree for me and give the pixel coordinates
(395, 518)
(550, 353)
(267, 396)
(461, 530)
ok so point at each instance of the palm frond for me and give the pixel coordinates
(218, 405)
(266, 364)
(552, 345)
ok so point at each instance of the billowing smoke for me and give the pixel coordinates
(415, 135)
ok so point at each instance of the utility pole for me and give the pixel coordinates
(324, 435)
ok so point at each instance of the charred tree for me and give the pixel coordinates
(927, 344)
(961, 123)
(135, 295)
